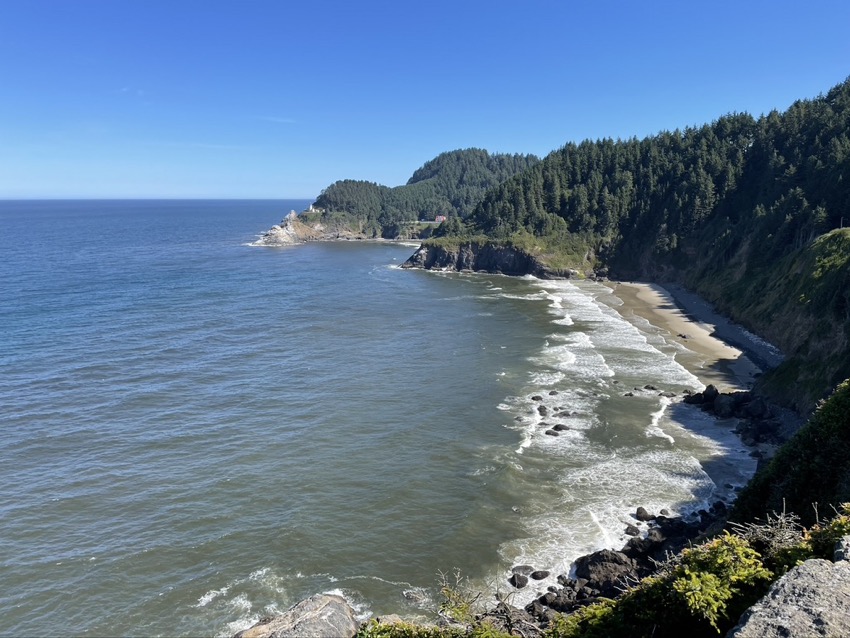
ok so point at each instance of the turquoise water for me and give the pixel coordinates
(196, 432)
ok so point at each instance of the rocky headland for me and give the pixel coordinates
(294, 230)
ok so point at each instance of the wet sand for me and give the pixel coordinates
(726, 366)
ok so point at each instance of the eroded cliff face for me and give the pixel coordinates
(293, 230)
(486, 257)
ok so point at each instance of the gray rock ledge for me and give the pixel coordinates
(320, 616)
(812, 599)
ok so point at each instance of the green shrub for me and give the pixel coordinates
(812, 467)
(700, 593)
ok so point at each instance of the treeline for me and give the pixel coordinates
(451, 185)
(732, 209)
(785, 176)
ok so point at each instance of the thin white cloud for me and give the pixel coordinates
(128, 90)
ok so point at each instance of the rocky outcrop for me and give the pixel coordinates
(294, 230)
(606, 571)
(485, 257)
(290, 231)
(320, 616)
(812, 599)
(759, 421)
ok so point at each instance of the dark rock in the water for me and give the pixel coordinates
(320, 616)
(518, 580)
(650, 387)
(709, 394)
(536, 397)
(525, 570)
(664, 512)
(812, 599)
(540, 574)
(642, 515)
(629, 394)
(552, 433)
(606, 571)
(542, 410)
(553, 393)
(631, 530)
(560, 427)
(667, 394)
(694, 399)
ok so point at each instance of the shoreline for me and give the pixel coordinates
(729, 364)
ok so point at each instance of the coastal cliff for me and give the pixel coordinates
(297, 229)
(475, 256)
(506, 258)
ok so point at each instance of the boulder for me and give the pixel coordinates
(631, 530)
(542, 410)
(552, 433)
(525, 570)
(606, 571)
(560, 427)
(812, 599)
(694, 399)
(536, 397)
(709, 394)
(518, 580)
(540, 574)
(320, 616)
(642, 515)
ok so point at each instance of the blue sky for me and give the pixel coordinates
(278, 99)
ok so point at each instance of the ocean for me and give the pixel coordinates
(196, 432)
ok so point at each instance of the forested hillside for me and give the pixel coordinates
(744, 211)
(451, 184)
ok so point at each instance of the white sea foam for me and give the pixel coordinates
(592, 491)
(361, 609)
(211, 595)
(655, 418)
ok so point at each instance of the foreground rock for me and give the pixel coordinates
(812, 599)
(320, 616)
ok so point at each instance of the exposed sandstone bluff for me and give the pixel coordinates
(487, 257)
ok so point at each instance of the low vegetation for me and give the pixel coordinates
(812, 468)
(702, 592)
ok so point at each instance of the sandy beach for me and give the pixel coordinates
(724, 365)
